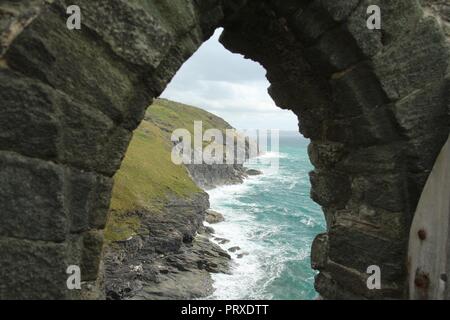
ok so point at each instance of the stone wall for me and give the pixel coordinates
(374, 103)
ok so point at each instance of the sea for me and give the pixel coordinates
(273, 221)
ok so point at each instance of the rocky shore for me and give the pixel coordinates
(163, 250)
(171, 257)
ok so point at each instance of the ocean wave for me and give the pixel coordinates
(273, 220)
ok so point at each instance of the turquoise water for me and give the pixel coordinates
(273, 220)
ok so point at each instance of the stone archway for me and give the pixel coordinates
(374, 103)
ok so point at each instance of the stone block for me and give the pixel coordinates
(352, 284)
(32, 204)
(28, 124)
(90, 140)
(357, 92)
(288, 7)
(325, 155)
(418, 59)
(358, 250)
(335, 50)
(131, 29)
(33, 269)
(398, 17)
(311, 22)
(81, 66)
(388, 191)
(92, 254)
(88, 200)
(329, 188)
(53, 126)
(374, 159)
(319, 252)
(338, 10)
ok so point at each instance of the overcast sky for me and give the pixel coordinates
(229, 86)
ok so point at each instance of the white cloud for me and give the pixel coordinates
(229, 86)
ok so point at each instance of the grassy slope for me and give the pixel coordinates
(170, 115)
(147, 175)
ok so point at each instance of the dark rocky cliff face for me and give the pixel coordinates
(440, 9)
(210, 176)
(167, 259)
(374, 103)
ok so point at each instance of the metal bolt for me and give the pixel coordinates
(422, 280)
(422, 234)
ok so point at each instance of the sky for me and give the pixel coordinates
(229, 86)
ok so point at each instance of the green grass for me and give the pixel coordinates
(147, 175)
(170, 116)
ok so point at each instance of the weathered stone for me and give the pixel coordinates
(319, 251)
(388, 192)
(214, 217)
(88, 200)
(398, 18)
(28, 124)
(374, 127)
(423, 117)
(73, 133)
(352, 284)
(356, 92)
(339, 10)
(92, 253)
(325, 155)
(288, 7)
(310, 23)
(330, 289)
(15, 16)
(375, 159)
(33, 270)
(177, 56)
(348, 247)
(31, 199)
(108, 18)
(336, 50)
(328, 188)
(421, 54)
(113, 90)
(440, 9)
(91, 140)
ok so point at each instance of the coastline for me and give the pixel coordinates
(174, 254)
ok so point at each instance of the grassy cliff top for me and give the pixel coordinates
(148, 175)
(169, 116)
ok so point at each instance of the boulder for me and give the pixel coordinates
(214, 217)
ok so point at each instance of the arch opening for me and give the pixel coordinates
(375, 105)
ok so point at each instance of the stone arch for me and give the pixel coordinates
(374, 103)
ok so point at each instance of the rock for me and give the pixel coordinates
(206, 230)
(222, 240)
(210, 176)
(253, 172)
(241, 255)
(234, 249)
(169, 259)
(214, 217)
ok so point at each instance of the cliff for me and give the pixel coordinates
(165, 114)
(157, 247)
(374, 104)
